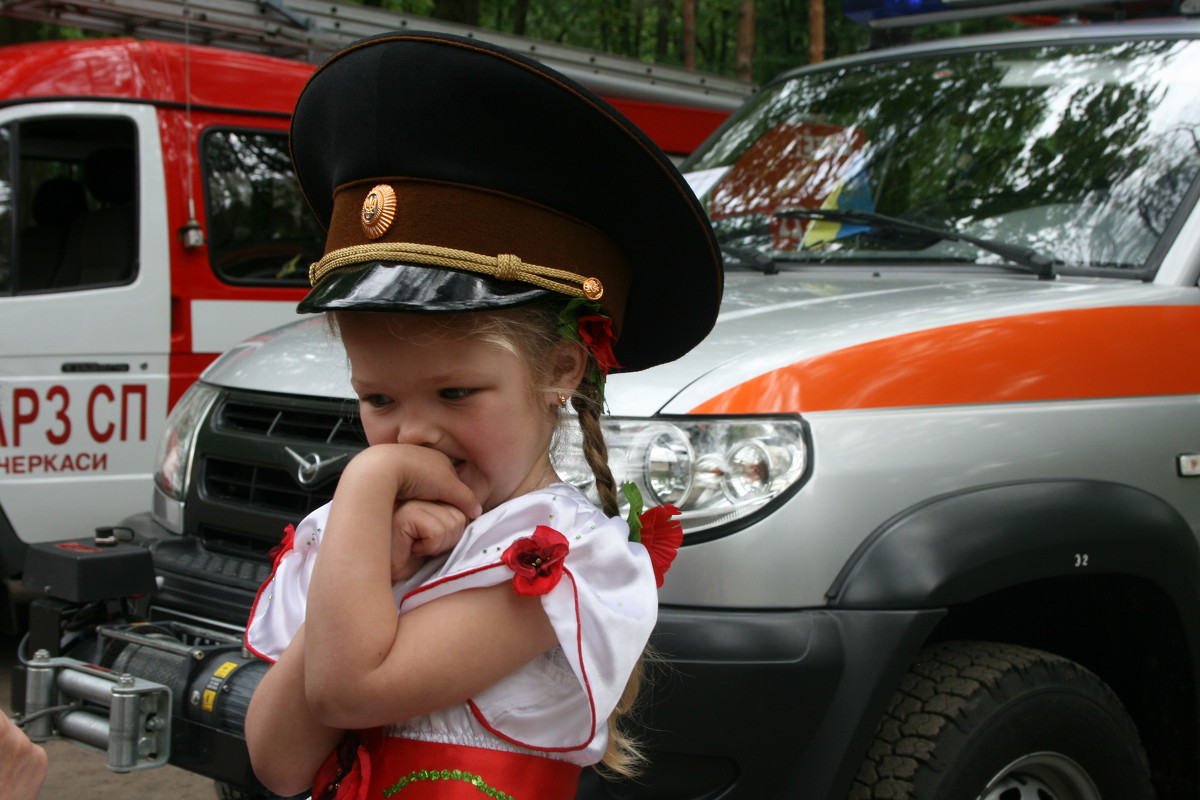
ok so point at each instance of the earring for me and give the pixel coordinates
(562, 400)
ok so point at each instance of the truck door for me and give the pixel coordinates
(84, 305)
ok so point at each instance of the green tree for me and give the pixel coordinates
(15, 31)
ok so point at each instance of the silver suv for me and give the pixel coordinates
(939, 461)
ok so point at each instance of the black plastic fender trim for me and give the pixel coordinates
(955, 548)
(12, 549)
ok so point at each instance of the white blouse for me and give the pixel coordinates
(602, 610)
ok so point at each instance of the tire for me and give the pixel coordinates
(986, 721)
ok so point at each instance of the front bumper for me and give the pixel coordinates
(197, 584)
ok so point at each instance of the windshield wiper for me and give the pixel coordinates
(1026, 257)
(748, 258)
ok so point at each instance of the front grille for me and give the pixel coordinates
(268, 488)
(247, 486)
(245, 490)
(337, 425)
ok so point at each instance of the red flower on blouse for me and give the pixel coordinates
(278, 551)
(661, 536)
(596, 332)
(536, 561)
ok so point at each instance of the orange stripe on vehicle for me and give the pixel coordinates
(1080, 353)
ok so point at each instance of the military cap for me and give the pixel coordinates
(455, 175)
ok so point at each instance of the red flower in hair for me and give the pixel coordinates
(661, 536)
(596, 332)
(536, 561)
(285, 544)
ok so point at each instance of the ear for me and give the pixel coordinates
(568, 363)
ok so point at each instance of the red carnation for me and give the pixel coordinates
(285, 544)
(661, 536)
(536, 561)
(596, 332)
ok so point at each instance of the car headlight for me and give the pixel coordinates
(175, 449)
(714, 469)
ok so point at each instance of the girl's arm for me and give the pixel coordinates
(365, 665)
(286, 742)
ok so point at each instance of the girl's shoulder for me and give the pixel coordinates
(560, 506)
(597, 546)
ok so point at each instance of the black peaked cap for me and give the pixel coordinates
(452, 110)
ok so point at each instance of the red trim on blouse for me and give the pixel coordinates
(254, 608)
(448, 578)
(586, 685)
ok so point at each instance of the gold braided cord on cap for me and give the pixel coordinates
(505, 267)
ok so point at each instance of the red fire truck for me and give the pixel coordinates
(148, 221)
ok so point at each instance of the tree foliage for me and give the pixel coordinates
(15, 31)
(651, 30)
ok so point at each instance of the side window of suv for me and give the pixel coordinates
(70, 204)
(260, 230)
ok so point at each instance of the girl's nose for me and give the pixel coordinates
(417, 432)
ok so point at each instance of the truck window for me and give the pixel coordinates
(260, 230)
(72, 222)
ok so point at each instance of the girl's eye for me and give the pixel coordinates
(455, 394)
(375, 400)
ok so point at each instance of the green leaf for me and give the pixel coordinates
(634, 496)
(568, 318)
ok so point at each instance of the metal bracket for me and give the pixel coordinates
(126, 717)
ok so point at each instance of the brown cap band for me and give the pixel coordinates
(405, 220)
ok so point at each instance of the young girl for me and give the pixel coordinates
(499, 240)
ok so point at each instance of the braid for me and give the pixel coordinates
(586, 402)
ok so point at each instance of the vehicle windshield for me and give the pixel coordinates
(1082, 154)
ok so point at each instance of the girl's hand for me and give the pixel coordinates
(420, 529)
(22, 763)
(409, 472)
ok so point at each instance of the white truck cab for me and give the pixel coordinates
(133, 250)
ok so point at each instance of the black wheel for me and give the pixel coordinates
(986, 721)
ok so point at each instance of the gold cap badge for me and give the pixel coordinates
(593, 289)
(378, 211)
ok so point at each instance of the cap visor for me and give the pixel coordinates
(381, 286)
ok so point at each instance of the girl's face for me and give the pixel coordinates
(422, 384)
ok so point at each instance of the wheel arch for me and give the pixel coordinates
(1006, 562)
(955, 548)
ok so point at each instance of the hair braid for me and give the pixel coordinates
(586, 402)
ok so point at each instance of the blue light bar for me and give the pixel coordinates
(865, 11)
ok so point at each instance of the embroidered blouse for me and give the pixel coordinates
(602, 610)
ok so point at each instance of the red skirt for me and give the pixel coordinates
(381, 766)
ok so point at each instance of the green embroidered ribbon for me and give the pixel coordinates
(446, 775)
